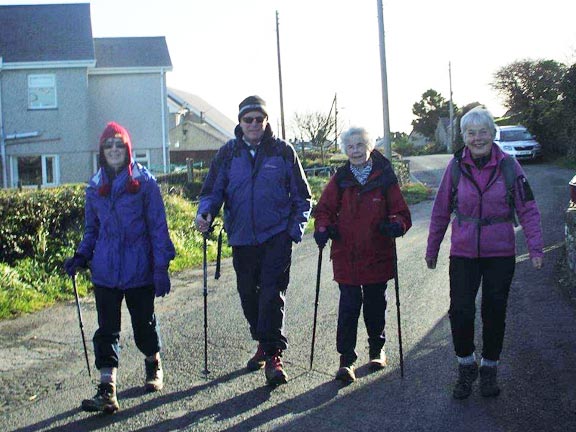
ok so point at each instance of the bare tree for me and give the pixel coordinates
(317, 128)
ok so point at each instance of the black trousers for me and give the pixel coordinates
(466, 274)
(106, 340)
(262, 276)
(372, 300)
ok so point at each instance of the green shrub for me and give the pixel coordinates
(44, 227)
(416, 192)
(404, 147)
(34, 222)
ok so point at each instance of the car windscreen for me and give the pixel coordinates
(515, 135)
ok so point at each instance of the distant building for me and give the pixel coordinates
(417, 139)
(59, 87)
(197, 129)
(442, 133)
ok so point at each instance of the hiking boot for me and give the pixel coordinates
(467, 374)
(346, 372)
(488, 384)
(154, 376)
(104, 400)
(258, 360)
(377, 360)
(274, 371)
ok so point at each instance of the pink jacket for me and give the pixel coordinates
(485, 199)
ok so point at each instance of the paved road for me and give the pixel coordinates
(43, 375)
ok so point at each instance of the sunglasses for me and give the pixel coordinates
(249, 120)
(119, 144)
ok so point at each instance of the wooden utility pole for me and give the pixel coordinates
(451, 136)
(385, 114)
(280, 77)
(335, 123)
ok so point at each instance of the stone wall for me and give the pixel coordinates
(570, 235)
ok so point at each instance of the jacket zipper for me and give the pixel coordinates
(491, 181)
(252, 181)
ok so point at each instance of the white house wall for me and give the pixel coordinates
(62, 130)
(135, 101)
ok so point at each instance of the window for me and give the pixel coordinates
(36, 170)
(142, 157)
(42, 91)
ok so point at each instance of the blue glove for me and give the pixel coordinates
(391, 229)
(161, 281)
(71, 265)
(321, 238)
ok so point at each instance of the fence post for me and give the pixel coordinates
(190, 169)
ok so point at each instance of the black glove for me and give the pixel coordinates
(333, 232)
(321, 238)
(391, 229)
(71, 265)
(161, 281)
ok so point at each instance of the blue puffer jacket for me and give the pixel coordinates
(125, 234)
(263, 196)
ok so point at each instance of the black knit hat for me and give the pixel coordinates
(252, 103)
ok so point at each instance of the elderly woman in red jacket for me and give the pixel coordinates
(482, 244)
(362, 210)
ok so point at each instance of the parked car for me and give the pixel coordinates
(518, 142)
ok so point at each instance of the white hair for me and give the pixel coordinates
(478, 116)
(346, 136)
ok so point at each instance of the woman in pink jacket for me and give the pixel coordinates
(484, 190)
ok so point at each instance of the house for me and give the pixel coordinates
(442, 133)
(417, 139)
(197, 129)
(59, 87)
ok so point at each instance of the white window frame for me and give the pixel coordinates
(42, 92)
(43, 162)
(95, 165)
(55, 169)
(142, 157)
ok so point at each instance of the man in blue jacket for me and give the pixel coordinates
(267, 203)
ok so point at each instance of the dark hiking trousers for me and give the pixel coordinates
(465, 276)
(372, 300)
(140, 303)
(262, 276)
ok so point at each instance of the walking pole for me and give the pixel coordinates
(320, 249)
(81, 325)
(397, 287)
(205, 292)
(218, 256)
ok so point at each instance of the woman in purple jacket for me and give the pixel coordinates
(482, 244)
(127, 241)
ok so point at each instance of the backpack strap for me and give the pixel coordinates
(508, 172)
(455, 176)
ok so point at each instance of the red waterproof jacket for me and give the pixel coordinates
(362, 255)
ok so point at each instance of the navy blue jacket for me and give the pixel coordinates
(262, 196)
(125, 234)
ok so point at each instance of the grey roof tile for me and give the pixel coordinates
(43, 33)
(132, 52)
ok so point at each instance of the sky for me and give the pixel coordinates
(225, 50)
